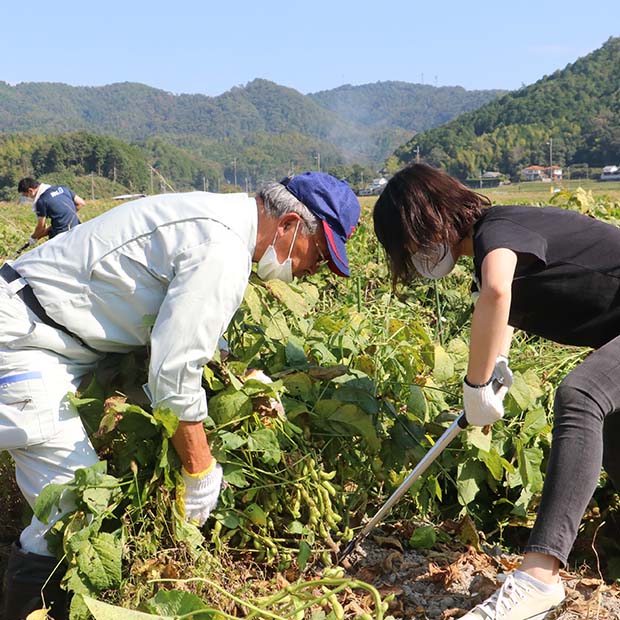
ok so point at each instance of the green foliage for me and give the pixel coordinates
(65, 157)
(577, 108)
(412, 107)
(369, 380)
(267, 129)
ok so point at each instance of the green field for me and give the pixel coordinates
(536, 193)
(369, 380)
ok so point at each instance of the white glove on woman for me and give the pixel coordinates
(482, 404)
(199, 497)
(502, 376)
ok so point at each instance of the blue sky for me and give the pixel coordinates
(192, 46)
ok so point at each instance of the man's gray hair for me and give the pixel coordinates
(278, 201)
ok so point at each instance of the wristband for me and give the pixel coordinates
(477, 385)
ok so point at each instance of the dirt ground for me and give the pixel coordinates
(444, 582)
(440, 583)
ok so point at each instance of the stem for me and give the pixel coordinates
(338, 584)
(221, 590)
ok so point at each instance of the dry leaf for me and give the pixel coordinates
(389, 541)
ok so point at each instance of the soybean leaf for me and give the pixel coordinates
(235, 476)
(291, 299)
(299, 385)
(423, 537)
(100, 499)
(304, 554)
(177, 603)
(530, 460)
(470, 475)
(535, 423)
(476, 437)
(256, 515)
(231, 441)
(48, 499)
(211, 380)
(264, 440)
(105, 611)
(277, 328)
(167, 420)
(91, 476)
(229, 405)
(416, 402)
(295, 354)
(443, 368)
(348, 418)
(99, 558)
(253, 303)
(137, 421)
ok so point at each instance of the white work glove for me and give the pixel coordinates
(200, 493)
(482, 404)
(502, 376)
(32, 241)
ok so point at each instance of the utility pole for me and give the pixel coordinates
(151, 172)
(417, 154)
(318, 161)
(550, 143)
(92, 186)
(234, 163)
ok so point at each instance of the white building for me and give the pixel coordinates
(610, 173)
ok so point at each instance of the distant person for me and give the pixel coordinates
(55, 203)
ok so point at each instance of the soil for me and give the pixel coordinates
(444, 582)
(440, 583)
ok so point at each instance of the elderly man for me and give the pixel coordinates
(185, 258)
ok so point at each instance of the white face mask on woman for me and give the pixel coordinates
(270, 268)
(435, 263)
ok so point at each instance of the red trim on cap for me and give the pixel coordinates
(329, 236)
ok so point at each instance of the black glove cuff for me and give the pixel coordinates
(478, 385)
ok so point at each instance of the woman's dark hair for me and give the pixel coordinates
(419, 208)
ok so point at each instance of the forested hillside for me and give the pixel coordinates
(231, 122)
(402, 105)
(570, 117)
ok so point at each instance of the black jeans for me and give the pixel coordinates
(586, 436)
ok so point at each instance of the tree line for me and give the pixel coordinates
(159, 164)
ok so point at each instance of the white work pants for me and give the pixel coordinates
(43, 433)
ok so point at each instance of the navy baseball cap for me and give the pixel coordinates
(335, 204)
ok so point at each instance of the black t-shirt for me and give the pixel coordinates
(567, 281)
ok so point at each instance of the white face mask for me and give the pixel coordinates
(270, 268)
(436, 263)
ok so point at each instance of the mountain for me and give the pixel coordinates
(410, 107)
(135, 112)
(571, 117)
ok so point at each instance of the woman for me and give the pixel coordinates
(554, 273)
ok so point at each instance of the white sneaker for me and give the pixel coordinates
(519, 599)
